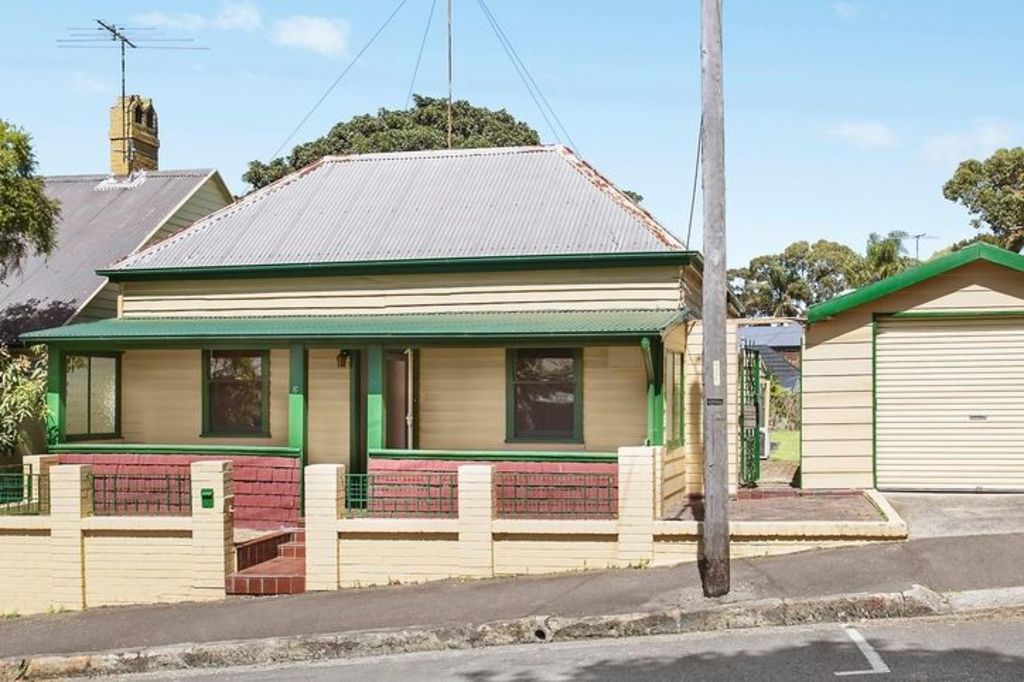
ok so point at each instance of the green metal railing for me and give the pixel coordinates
(23, 492)
(750, 435)
(540, 495)
(423, 494)
(141, 494)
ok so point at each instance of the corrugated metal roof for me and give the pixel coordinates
(776, 336)
(97, 227)
(510, 201)
(408, 325)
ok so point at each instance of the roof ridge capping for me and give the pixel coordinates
(978, 251)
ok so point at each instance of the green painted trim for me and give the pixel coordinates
(170, 449)
(350, 340)
(800, 411)
(916, 275)
(356, 460)
(951, 314)
(55, 414)
(298, 368)
(681, 399)
(419, 265)
(874, 403)
(510, 401)
(498, 455)
(264, 431)
(376, 386)
(89, 435)
(654, 366)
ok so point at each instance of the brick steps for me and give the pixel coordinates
(274, 564)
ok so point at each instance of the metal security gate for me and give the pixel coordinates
(750, 417)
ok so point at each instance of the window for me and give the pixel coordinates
(92, 396)
(235, 393)
(138, 115)
(675, 398)
(545, 395)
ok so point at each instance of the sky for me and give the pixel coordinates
(842, 118)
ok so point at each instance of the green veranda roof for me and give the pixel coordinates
(975, 252)
(482, 325)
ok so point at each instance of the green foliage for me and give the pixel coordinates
(27, 216)
(635, 197)
(993, 193)
(786, 284)
(783, 408)
(424, 126)
(886, 255)
(22, 393)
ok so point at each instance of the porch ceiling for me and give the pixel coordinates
(482, 325)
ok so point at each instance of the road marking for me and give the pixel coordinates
(878, 666)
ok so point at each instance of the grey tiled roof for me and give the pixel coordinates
(97, 227)
(419, 205)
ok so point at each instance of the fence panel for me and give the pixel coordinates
(141, 494)
(539, 495)
(424, 494)
(23, 492)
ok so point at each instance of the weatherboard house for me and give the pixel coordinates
(395, 311)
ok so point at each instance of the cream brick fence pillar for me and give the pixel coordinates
(636, 504)
(325, 503)
(70, 501)
(213, 529)
(476, 512)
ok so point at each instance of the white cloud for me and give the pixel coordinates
(234, 15)
(979, 141)
(863, 133)
(86, 83)
(846, 10)
(322, 35)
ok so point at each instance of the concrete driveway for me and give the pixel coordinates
(934, 515)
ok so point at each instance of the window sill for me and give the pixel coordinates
(235, 434)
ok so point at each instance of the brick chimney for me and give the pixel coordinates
(134, 136)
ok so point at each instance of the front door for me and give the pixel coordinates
(399, 398)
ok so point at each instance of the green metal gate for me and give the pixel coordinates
(750, 417)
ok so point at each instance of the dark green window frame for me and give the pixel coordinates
(511, 355)
(116, 433)
(264, 431)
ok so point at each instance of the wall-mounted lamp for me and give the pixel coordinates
(342, 359)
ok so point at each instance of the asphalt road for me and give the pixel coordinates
(950, 648)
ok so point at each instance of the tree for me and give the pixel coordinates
(22, 393)
(424, 126)
(886, 255)
(803, 274)
(27, 216)
(635, 197)
(993, 192)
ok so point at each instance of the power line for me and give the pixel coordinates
(696, 174)
(540, 92)
(419, 57)
(338, 79)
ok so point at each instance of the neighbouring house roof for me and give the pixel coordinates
(101, 221)
(973, 253)
(416, 206)
(782, 369)
(776, 336)
(481, 325)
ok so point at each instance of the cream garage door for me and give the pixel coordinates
(950, 404)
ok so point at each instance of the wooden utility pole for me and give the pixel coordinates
(449, 74)
(715, 561)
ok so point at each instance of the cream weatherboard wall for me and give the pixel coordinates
(564, 289)
(162, 399)
(462, 399)
(837, 368)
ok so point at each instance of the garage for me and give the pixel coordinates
(950, 403)
(916, 382)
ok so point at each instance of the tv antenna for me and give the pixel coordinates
(108, 35)
(917, 242)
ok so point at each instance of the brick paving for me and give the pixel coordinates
(796, 506)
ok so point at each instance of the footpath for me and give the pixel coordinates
(925, 576)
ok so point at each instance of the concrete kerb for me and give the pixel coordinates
(916, 602)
